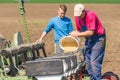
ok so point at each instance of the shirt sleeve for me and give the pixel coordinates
(70, 27)
(49, 26)
(77, 23)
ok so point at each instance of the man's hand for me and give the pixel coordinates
(82, 34)
(75, 33)
(42, 36)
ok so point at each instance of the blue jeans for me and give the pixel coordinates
(94, 53)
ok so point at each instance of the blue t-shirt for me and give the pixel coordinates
(62, 27)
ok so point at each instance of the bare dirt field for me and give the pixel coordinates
(38, 16)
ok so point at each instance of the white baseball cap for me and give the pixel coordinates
(78, 9)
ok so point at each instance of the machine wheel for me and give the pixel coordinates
(64, 78)
(110, 76)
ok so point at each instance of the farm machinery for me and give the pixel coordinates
(17, 64)
(13, 58)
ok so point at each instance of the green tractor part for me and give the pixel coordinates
(18, 78)
(17, 39)
(13, 56)
(22, 12)
(15, 70)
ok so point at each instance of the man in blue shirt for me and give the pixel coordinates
(62, 26)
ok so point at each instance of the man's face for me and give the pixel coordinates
(82, 15)
(61, 13)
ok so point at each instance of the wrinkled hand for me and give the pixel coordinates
(75, 33)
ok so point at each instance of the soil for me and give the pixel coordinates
(38, 15)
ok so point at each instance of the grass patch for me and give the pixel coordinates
(63, 1)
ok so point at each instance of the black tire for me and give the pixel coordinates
(110, 76)
(64, 78)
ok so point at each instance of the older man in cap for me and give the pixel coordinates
(88, 25)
